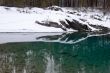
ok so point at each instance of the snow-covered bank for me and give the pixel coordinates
(51, 19)
(13, 21)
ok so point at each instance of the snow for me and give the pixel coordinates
(21, 22)
(13, 19)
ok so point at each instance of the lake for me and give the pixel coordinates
(54, 53)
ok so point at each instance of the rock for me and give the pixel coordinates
(78, 26)
(74, 25)
(101, 28)
(64, 24)
(55, 8)
(51, 24)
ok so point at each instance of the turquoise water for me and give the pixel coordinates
(66, 53)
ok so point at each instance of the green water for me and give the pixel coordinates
(91, 55)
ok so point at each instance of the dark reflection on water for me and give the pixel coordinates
(83, 54)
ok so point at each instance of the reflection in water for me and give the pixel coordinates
(50, 65)
(91, 54)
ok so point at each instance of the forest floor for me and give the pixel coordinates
(13, 19)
